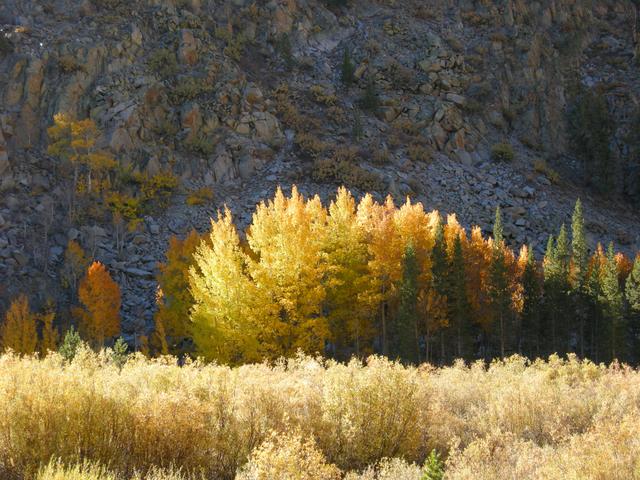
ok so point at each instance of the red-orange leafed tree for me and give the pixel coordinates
(100, 296)
(18, 332)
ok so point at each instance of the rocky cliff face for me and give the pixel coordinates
(242, 96)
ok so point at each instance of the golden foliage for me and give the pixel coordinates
(100, 296)
(288, 457)
(175, 299)
(19, 331)
(513, 419)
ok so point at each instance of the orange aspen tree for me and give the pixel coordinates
(100, 297)
(19, 331)
(174, 296)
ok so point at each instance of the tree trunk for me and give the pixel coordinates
(385, 347)
(501, 333)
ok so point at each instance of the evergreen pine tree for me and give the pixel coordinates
(348, 68)
(498, 231)
(458, 301)
(580, 265)
(532, 299)
(405, 336)
(612, 302)
(440, 276)
(119, 353)
(632, 295)
(70, 344)
(369, 100)
(433, 467)
(499, 283)
(580, 255)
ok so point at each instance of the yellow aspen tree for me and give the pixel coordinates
(75, 142)
(19, 331)
(100, 296)
(352, 292)
(84, 135)
(414, 229)
(413, 226)
(159, 338)
(287, 238)
(50, 336)
(75, 264)
(386, 250)
(229, 310)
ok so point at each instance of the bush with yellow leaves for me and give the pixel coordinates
(542, 420)
(289, 457)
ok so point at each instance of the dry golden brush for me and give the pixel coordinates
(555, 419)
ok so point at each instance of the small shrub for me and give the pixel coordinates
(159, 187)
(70, 344)
(68, 64)
(288, 457)
(283, 47)
(290, 114)
(319, 95)
(369, 100)
(128, 207)
(200, 196)
(200, 145)
(309, 144)
(189, 88)
(433, 467)
(502, 152)
(347, 68)
(346, 173)
(235, 45)
(419, 153)
(542, 167)
(56, 470)
(6, 47)
(381, 156)
(357, 131)
(388, 469)
(163, 62)
(119, 353)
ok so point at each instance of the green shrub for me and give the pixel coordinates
(189, 88)
(159, 187)
(119, 353)
(70, 344)
(345, 172)
(200, 196)
(348, 69)
(433, 467)
(502, 152)
(163, 62)
(369, 100)
(68, 64)
(6, 47)
(130, 208)
(541, 166)
(200, 144)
